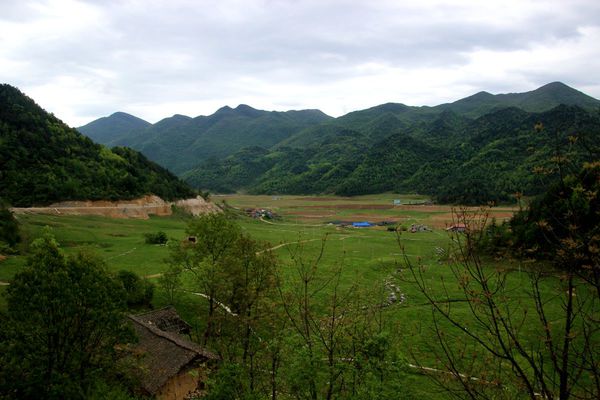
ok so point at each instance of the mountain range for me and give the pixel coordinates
(476, 149)
(180, 143)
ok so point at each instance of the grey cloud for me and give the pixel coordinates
(199, 50)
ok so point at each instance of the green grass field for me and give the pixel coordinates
(367, 256)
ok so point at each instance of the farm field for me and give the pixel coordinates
(368, 257)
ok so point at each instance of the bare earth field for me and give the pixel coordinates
(372, 208)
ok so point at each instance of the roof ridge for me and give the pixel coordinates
(157, 310)
(181, 342)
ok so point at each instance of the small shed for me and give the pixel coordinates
(172, 366)
(457, 228)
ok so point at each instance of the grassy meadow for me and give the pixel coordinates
(367, 256)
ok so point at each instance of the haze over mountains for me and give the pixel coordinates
(479, 148)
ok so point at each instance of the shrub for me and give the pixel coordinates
(156, 238)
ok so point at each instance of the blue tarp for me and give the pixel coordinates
(361, 224)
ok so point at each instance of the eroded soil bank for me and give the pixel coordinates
(137, 208)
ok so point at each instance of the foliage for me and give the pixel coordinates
(159, 237)
(45, 161)
(9, 229)
(228, 384)
(540, 343)
(206, 258)
(139, 292)
(63, 322)
(565, 217)
(340, 341)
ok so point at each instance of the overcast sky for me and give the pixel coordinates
(83, 60)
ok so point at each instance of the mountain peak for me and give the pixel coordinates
(245, 107)
(223, 109)
(555, 85)
(107, 129)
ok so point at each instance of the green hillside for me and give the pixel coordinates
(44, 161)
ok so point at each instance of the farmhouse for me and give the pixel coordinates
(172, 367)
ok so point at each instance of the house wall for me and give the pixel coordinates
(180, 385)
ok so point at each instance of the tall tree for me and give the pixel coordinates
(212, 239)
(540, 339)
(63, 322)
(9, 228)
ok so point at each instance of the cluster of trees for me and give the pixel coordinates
(44, 161)
(304, 335)
(58, 338)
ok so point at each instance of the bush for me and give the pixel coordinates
(156, 238)
(139, 291)
(9, 230)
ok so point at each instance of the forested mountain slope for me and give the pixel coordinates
(43, 161)
(451, 158)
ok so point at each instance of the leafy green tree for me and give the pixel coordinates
(159, 237)
(206, 258)
(563, 225)
(540, 341)
(64, 319)
(338, 342)
(9, 228)
(139, 292)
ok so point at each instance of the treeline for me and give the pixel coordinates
(452, 158)
(44, 161)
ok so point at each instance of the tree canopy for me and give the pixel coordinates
(44, 161)
(64, 319)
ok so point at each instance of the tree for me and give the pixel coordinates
(63, 322)
(206, 258)
(339, 346)
(236, 274)
(139, 292)
(563, 225)
(538, 337)
(9, 228)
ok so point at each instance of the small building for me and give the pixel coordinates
(457, 228)
(171, 366)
